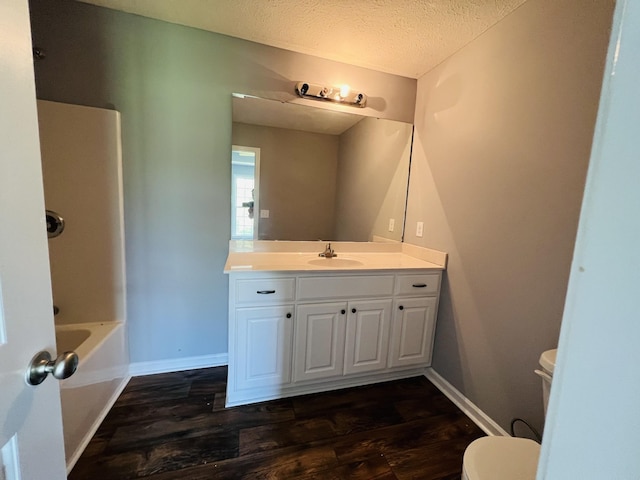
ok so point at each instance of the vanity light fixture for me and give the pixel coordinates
(341, 94)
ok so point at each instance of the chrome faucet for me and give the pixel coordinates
(328, 253)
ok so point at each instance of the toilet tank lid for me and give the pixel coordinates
(548, 360)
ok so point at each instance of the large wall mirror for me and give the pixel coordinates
(305, 173)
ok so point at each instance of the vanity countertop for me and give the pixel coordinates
(350, 258)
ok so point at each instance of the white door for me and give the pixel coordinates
(264, 347)
(319, 343)
(367, 342)
(31, 442)
(412, 329)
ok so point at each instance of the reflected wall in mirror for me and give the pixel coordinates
(322, 175)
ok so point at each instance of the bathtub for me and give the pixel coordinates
(102, 374)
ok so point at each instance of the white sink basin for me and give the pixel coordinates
(335, 262)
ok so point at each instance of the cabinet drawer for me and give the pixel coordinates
(421, 284)
(265, 290)
(313, 288)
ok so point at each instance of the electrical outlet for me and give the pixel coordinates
(419, 229)
(264, 213)
(392, 224)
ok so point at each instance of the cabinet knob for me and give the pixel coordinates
(288, 315)
(343, 311)
(401, 307)
(353, 310)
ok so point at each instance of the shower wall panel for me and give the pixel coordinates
(82, 170)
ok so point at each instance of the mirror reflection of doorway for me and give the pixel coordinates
(245, 174)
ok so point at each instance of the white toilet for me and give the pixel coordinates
(508, 458)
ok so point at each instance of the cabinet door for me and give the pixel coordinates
(412, 331)
(319, 335)
(263, 348)
(367, 342)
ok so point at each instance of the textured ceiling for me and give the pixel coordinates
(403, 37)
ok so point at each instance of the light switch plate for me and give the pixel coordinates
(419, 229)
(392, 224)
(264, 213)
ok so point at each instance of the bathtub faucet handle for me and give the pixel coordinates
(42, 365)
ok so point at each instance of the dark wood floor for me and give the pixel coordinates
(174, 426)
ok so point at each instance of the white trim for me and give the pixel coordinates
(96, 424)
(177, 364)
(470, 409)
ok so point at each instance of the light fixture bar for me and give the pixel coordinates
(334, 94)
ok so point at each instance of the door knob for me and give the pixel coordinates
(41, 365)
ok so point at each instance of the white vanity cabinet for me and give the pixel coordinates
(414, 319)
(301, 332)
(261, 317)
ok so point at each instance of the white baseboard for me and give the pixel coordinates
(177, 364)
(96, 424)
(469, 408)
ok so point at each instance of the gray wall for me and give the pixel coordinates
(297, 181)
(503, 135)
(173, 86)
(373, 165)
